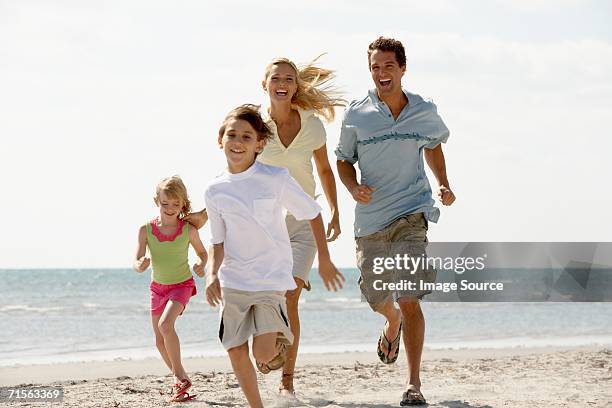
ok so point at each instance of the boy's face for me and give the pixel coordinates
(240, 144)
(386, 72)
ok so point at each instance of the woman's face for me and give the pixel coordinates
(281, 83)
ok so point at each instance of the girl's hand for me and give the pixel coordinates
(213, 290)
(333, 226)
(142, 264)
(332, 278)
(198, 268)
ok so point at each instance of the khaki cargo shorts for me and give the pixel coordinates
(388, 262)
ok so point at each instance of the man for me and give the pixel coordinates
(387, 133)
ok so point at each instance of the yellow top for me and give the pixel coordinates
(297, 157)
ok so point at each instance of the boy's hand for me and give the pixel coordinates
(198, 268)
(213, 290)
(332, 278)
(142, 264)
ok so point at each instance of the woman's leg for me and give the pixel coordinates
(171, 340)
(293, 297)
(159, 341)
(245, 373)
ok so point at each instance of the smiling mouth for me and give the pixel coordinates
(237, 151)
(281, 92)
(384, 82)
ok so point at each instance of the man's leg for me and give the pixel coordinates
(394, 318)
(414, 336)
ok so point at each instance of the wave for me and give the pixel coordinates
(28, 308)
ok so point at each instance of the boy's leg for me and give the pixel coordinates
(264, 347)
(293, 297)
(171, 340)
(245, 373)
(159, 341)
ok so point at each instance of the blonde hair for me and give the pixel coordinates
(174, 189)
(314, 88)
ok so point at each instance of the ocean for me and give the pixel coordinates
(69, 315)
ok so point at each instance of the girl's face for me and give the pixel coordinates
(240, 144)
(281, 83)
(168, 208)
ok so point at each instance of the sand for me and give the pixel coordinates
(546, 377)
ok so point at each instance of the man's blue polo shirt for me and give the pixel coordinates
(389, 154)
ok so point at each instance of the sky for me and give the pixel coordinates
(99, 101)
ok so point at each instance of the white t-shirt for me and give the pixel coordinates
(245, 212)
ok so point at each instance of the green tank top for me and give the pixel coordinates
(169, 254)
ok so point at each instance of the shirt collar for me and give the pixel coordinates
(376, 100)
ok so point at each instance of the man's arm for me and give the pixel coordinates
(437, 164)
(348, 175)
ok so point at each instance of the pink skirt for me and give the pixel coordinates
(180, 292)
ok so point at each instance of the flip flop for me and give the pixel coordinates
(391, 346)
(276, 363)
(412, 396)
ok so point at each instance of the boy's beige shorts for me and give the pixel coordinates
(245, 314)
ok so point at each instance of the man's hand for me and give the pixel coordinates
(198, 268)
(332, 278)
(362, 193)
(141, 264)
(213, 289)
(197, 219)
(446, 196)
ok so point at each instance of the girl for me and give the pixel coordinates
(168, 238)
(251, 256)
(297, 96)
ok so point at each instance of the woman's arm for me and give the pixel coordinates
(326, 175)
(141, 263)
(197, 219)
(332, 278)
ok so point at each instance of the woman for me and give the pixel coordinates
(298, 96)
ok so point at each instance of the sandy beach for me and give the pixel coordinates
(522, 377)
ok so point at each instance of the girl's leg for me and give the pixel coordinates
(293, 297)
(245, 373)
(171, 340)
(159, 341)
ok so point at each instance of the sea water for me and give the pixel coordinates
(62, 315)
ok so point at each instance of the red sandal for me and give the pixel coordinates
(180, 392)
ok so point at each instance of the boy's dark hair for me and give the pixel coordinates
(388, 44)
(249, 113)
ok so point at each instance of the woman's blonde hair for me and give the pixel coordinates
(314, 88)
(174, 189)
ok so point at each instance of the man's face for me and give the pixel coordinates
(386, 73)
